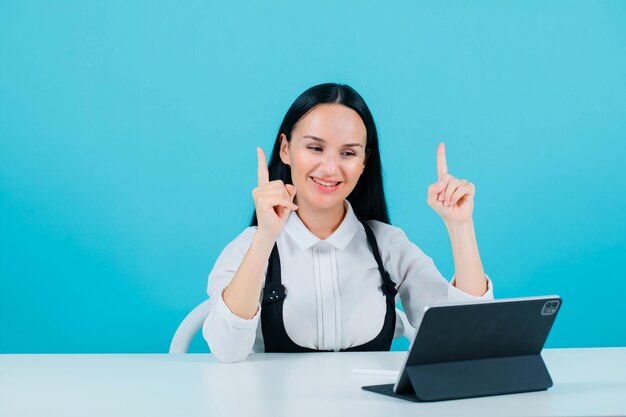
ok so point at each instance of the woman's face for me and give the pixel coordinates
(326, 154)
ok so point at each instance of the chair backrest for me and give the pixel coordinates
(407, 330)
(195, 319)
(189, 327)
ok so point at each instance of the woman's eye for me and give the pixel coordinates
(315, 148)
(348, 154)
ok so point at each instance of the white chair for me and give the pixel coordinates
(405, 329)
(189, 327)
(195, 319)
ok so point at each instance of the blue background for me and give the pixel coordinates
(128, 134)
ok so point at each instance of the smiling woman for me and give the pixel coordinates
(332, 122)
(325, 171)
(321, 205)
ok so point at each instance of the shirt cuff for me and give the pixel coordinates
(234, 320)
(455, 294)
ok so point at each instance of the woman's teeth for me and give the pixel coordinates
(324, 183)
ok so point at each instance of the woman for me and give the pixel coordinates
(320, 266)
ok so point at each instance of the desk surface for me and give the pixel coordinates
(586, 382)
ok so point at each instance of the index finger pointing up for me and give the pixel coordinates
(263, 174)
(442, 166)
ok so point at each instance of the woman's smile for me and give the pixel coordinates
(324, 185)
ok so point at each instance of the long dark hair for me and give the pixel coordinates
(368, 197)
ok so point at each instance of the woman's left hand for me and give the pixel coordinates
(450, 197)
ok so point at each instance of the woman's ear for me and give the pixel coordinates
(284, 150)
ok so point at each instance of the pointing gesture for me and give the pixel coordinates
(451, 198)
(262, 172)
(273, 200)
(442, 166)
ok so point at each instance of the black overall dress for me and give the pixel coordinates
(273, 327)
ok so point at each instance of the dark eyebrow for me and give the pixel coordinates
(315, 138)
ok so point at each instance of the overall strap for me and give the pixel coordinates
(388, 287)
(275, 337)
(274, 290)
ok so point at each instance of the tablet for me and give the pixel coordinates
(473, 349)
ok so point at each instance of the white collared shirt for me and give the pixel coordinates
(334, 300)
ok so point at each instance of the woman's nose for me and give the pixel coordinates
(329, 164)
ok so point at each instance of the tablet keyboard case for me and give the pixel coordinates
(472, 378)
(488, 349)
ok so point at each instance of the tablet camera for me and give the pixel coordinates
(550, 308)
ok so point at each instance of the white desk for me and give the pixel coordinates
(586, 382)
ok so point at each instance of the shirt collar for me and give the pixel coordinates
(339, 239)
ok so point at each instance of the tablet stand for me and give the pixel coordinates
(472, 378)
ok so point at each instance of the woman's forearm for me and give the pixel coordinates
(469, 273)
(242, 294)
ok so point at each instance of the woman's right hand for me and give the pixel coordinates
(273, 201)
